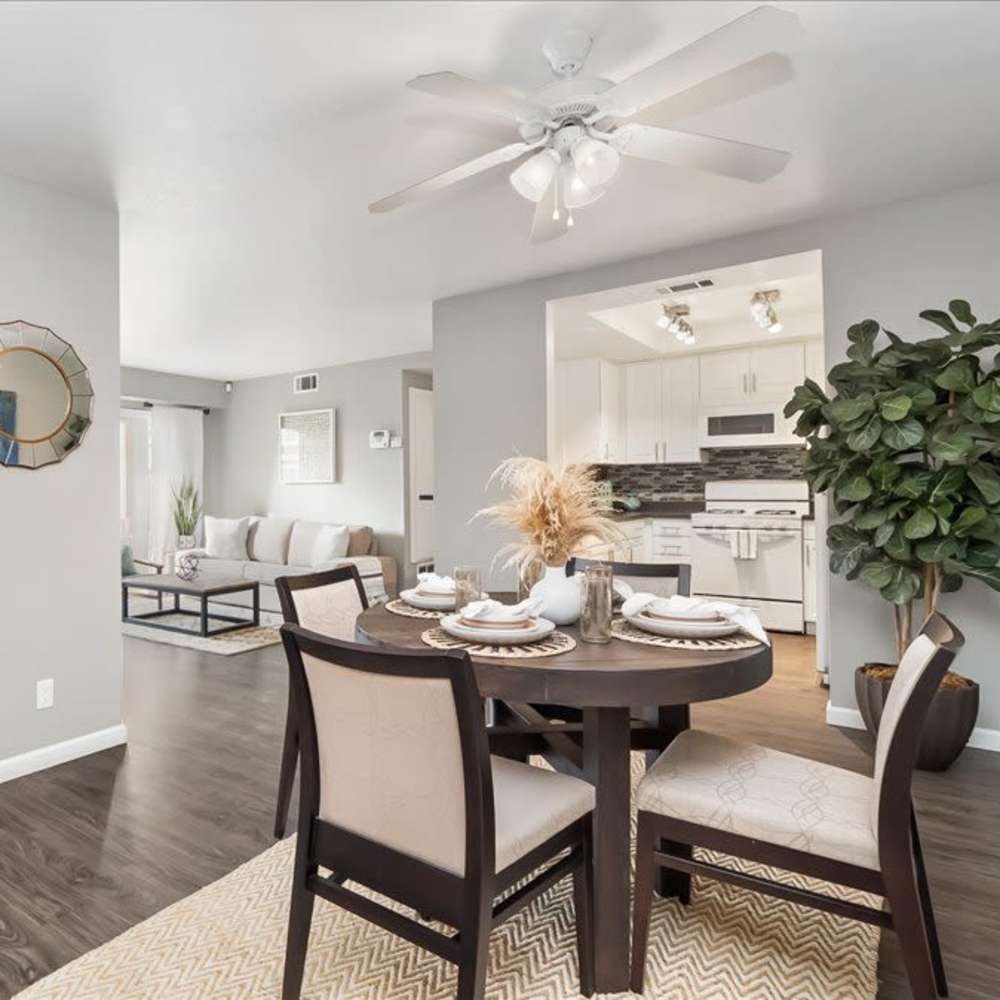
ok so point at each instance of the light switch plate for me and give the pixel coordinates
(45, 693)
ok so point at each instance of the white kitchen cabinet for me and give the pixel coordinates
(809, 574)
(670, 540)
(775, 371)
(661, 411)
(767, 374)
(633, 546)
(589, 419)
(816, 362)
(643, 389)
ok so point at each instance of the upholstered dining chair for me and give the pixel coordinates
(400, 795)
(803, 816)
(329, 603)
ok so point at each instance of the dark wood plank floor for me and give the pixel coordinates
(91, 848)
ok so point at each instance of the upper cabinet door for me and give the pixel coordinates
(680, 411)
(642, 411)
(612, 413)
(725, 378)
(776, 371)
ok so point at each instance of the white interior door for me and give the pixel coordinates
(421, 474)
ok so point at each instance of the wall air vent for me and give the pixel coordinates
(686, 286)
(305, 383)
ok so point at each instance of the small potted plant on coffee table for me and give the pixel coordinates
(908, 449)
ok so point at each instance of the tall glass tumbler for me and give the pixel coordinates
(598, 592)
(468, 586)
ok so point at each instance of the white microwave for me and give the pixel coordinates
(745, 425)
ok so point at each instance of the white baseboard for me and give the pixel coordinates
(850, 718)
(61, 753)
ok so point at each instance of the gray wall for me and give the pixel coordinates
(60, 569)
(241, 449)
(162, 387)
(888, 263)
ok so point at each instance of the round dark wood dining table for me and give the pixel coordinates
(608, 682)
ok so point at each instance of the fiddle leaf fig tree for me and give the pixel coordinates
(908, 449)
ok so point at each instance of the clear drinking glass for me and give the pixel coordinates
(595, 620)
(468, 585)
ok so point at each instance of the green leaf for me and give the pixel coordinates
(878, 574)
(854, 489)
(902, 435)
(871, 519)
(898, 547)
(841, 411)
(848, 548)
(982, 555)
(950, 445)
(896, 406)
(987, 396)
(904, 587)
(986, 481)
(969, 519)
(962, 311)
(934, 550)
(947, 483)
(941, 318)
(866, 437)
(951, 582)
(914, 485)
(921, 523)
(959, 376)
(884, 474)
(991, 577)
(883, 533)
(923, 396)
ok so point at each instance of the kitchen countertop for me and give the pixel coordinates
(661, 508)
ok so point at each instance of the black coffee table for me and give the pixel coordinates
(203, 590)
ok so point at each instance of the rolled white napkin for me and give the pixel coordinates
(494, 611)
(695, 608)
(431, 583)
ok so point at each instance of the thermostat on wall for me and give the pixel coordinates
(379, 439)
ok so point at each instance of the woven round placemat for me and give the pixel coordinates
(627, 632)
(557, 642)
(405, 610)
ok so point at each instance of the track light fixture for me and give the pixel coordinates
(763, 312)
(674, 321)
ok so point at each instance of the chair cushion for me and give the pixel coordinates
(267, 541)
(226, 537)
(532, 804)
(765, 794)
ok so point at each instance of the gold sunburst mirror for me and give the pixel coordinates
(46, 397)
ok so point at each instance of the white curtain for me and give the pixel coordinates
(178, 439)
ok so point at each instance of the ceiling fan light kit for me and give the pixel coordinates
(574, 132)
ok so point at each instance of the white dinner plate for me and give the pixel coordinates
(684, 630)
(499, 636)
(444, 602)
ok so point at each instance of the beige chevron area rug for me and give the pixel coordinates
(226, 942)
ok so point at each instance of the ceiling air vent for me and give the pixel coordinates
(686, 286)
(305, 383)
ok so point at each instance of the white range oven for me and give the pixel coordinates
(747, 548)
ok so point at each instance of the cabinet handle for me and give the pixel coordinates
(744, 384)
(808, 557)
(656, 452)
(753, 381)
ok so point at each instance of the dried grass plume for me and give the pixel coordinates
(553, 512)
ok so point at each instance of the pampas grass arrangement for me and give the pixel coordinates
(553, 512)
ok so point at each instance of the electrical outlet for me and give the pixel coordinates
(45, 693)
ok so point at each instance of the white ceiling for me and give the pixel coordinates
(243, 141)
(619, 324)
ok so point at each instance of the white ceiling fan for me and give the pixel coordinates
(576, 129)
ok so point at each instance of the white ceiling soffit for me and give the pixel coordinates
(244, 141)
(620, 323)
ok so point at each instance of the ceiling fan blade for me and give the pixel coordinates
(751, 78)
(480, 97)
(543, 226)
(469, 169)
(765, 29)
(703, 152)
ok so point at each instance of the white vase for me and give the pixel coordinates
(562, 595)
(185, 542)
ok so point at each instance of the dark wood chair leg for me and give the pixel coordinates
(927, 910)
(299, 923)
(672, 720)
(903, 893)
(583, 906)
(645, 871)
(289, 758)
(475, 958)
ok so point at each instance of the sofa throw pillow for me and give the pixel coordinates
(331, 543)
(268, 540)
(226, 537)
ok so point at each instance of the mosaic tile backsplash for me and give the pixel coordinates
(687, 482)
